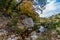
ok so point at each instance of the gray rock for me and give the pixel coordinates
(28, 22)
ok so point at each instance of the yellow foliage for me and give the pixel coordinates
(26, 8)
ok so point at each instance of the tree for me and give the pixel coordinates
(26, 8)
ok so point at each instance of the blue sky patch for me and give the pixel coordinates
(52, 8)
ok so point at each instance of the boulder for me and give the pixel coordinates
(28, 22)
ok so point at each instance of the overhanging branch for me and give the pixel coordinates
(17, 4)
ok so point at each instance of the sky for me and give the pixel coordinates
(52, 7)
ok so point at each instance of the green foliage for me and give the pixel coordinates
(51, 25)
(2, 3)
(8, 25)
(58, 32)
(18, 30)
(58, 16)
(11, 24)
